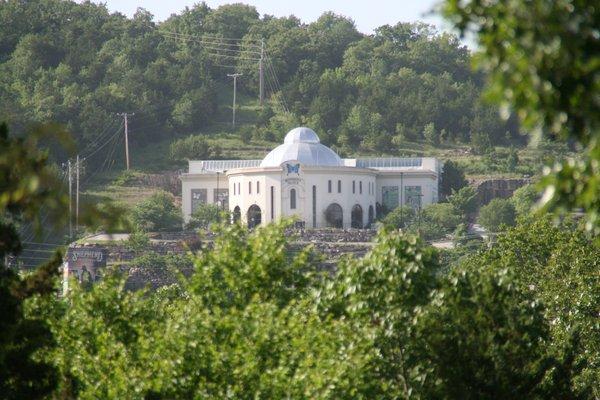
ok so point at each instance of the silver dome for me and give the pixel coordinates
(302, 145)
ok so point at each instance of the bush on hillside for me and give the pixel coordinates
(157, 213)
(193, 148)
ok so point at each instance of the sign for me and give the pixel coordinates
(293, 168)
(85, 263)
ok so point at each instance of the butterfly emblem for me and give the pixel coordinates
(293, 169)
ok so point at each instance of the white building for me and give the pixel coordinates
(308, 180)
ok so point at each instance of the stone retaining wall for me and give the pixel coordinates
(330, 244)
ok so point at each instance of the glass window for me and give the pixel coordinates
(221, 197)
(339, 186)
(390, 197)
(412, 196)
(198, 197)
(257, 187)
(329, 186)
(360, 187)
(353, 186)
(293, 199)
(250, 187)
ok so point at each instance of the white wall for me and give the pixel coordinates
(282, 182)
(200, 181)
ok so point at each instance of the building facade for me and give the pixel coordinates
(304, 179)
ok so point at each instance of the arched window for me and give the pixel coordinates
(293, 199)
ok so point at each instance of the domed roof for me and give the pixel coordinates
(303, 145)
(301, 135)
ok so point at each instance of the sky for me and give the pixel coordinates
(367, 14)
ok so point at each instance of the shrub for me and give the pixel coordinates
(399, 218)
(157, 213)
(436, 220)
(464, 200)
(524, 198)
(453, 178)
(193, 148)
(204, 215)
(496, 213)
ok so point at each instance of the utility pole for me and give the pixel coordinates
(77, 165)
(261, 72)
(125, 115)
(234, 76)
(70, 199)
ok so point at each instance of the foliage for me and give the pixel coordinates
(78, 64)
(157, 213)
(543, 64)
(436, 220)
(558, 263)
(28, 185)
(430, 134)
(482, 317)
(465, 200)
(138, 241)
(204, 215)
(399, 218)
(524, 199)
(451, 179)
(497, 213)
(193, 148)
(383, 291)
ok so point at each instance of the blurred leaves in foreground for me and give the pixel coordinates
(543, 61)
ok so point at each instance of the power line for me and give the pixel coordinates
(211, 38)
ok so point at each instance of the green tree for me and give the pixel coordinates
(542, 64)
(512, 160)
(524, 198)
(193, 148)
(481, 142)
(451, 179)
(28, 185)
(481, 317)
(430, 134)
(382, 293)
(497, 213)
(436, 220)
(399, 218)
(465, 200)
(157, 213)
(204, 215)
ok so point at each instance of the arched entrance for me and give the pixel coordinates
(334, 216)
(237, 214)
(371, 215)
(357, 217)
(254, 216)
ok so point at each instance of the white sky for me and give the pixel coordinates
(367, 14)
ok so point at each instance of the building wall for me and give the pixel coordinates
(208, 181)
(248, 180)
(427, 182)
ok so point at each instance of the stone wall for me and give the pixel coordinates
(497, 188)
(330, 245)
